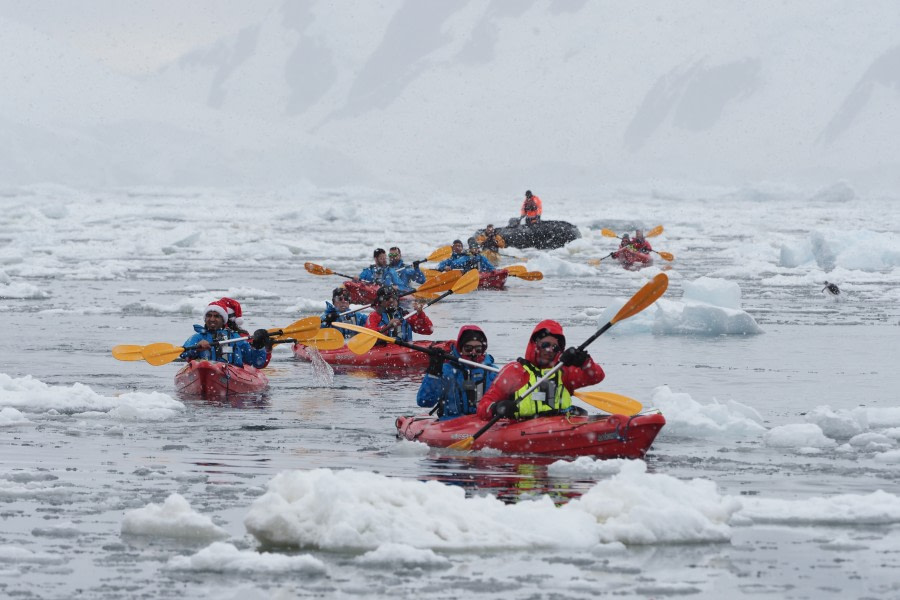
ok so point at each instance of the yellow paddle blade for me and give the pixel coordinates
(431, 273)
(463, 444)
(611, 403)
(361, 343)
(440, 281)
(306, 325)
(442, 253)
(594, 262)
(427, 295)
(515, 270)
(326, 339)
(608, 233)
(128, 352)
(644, 297)
(316, 269)
(667, 256)
(654, 232)
(466, 283)
(531, 276)
(492, 256)
(161, 353)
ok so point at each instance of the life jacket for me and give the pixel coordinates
(550, 396)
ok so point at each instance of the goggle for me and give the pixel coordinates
(549, 346)
(393, 254)
(473, 349)
(345, 298)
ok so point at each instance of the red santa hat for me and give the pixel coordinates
(234, 310)
(216, 307)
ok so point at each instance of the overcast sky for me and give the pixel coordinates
(135, 36)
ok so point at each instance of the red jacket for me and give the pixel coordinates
(513, 376)
(534, 212)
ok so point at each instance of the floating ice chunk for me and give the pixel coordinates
(220, 557)
(798, 435)
(876, 508)
(172, 518)
(403, 555)
(688, 418)
(10, 416)
(716, 292)
(585, 465)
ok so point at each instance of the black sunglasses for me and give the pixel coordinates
(549, 346)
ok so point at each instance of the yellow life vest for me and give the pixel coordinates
(551, 395)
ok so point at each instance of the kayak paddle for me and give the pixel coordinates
(644, 297)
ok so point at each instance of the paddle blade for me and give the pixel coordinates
(608, 233)
(667, 256)
(611, 403)
(516, 270)
(644, 297)
(361, 343)
(531, 276)
(442, 253)
(316, 269)
(305, 326)
(594, 262)
(128, 352)
(326, 339)
(161, 353)
(466, 283)
(463, 444)
(654, 232)
(431, 274)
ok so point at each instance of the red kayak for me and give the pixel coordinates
(216, 379)
(492, 280)
(631, 259)
(361, 292)
(600, 436)
(387, 356)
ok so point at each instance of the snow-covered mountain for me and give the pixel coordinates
(490, 94)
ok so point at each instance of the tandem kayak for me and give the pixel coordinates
(600, 436)
(543, 235)
(361, 292)
(386, 356)
(217, 379)
(492, 280)
(631, 259)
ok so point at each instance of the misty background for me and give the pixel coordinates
(469, 95)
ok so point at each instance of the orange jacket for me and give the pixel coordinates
(532, 212)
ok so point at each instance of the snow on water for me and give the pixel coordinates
(226, 558)
(33, 396)
(172, 518)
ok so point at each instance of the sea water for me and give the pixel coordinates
(776, 474)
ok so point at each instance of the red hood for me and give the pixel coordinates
(553, 328)
(466, 328)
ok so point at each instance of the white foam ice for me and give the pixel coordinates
(359, 510)
(551, 265)
(798, 435)
(391, 554)
(585, 465)
(18, 554)
(688, 418)
(34, 397)
(877, 508)
(858, 250)
(11, 416)
(172, 518)
(22, 291)
(221, 557)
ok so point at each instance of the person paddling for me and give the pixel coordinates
(623, 245)
(639, 243)
(340, 303)
(380, 272)
(490, 240)
(832, 288)
(465, 261)
(408, 274)
(235, 322)
(457, 389)
(388, 317)
(543, 352)
(213, 330)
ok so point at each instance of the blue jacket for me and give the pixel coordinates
(356, 318)
(466, 262)
(408, 275)
(381, 276)
(458, 388)
(241, 353)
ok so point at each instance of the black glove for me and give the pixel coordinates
(573, 357)
(505, 409)
(331, 318)
(436, 365)
(260, 339)
(416, 264)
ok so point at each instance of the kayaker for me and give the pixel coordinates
(380, 272)
(625, 243)
(213, 330)
(832, 288)
(236, 322)
(408, 274)
(388, 316)
(490, 240)
(532, 208)
(466, 261)
(457, 389)
(340, 303)
(544, 351)
(639, 243)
